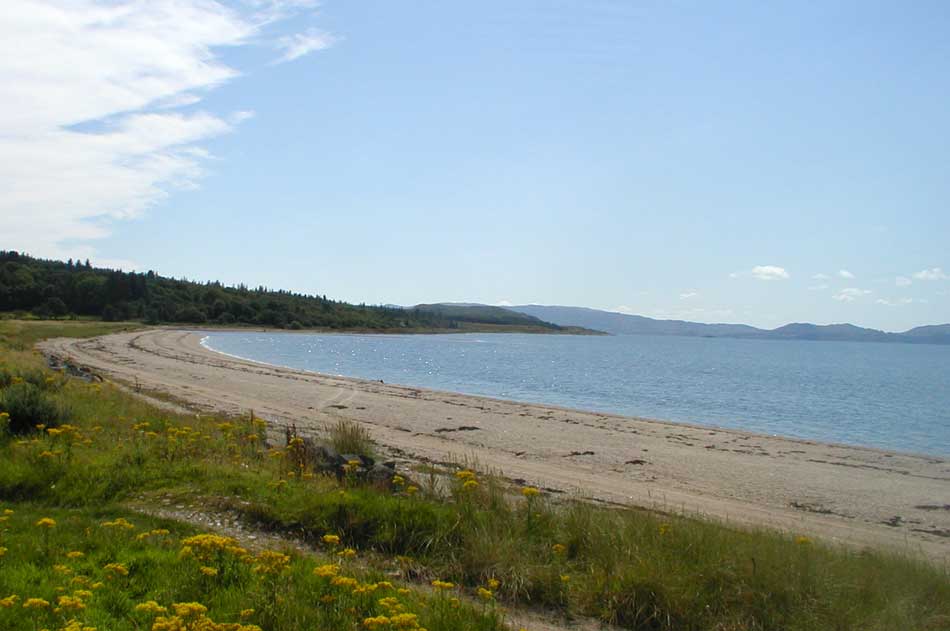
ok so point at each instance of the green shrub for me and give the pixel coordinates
(28, 406)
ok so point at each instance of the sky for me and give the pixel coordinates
(761, 163)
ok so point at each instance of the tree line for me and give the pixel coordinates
(56, 289)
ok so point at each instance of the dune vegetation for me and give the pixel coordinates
(85, 467)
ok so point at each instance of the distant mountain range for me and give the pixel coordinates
(623, 324)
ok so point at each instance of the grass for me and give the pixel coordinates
(108, 569)
(632, 568)
(347, 437)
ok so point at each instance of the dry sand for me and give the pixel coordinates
(843, 494)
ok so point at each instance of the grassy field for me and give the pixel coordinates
(485, 543)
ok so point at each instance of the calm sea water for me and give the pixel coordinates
(894, 396)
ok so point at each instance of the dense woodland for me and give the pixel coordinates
(56, 289)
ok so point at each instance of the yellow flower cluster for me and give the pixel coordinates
(326, 570)
(158, 532)
(117, 569)
(119, 523)
(530, 491)
(269, 562)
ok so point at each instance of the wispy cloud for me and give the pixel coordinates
(821, 276)
(91, 126)
(843, 273)
(934, 273)
(850, 294)
(297, 45)
(902, 281)
(894, 303)
(764, 272)
(818, 287)
(686, 295)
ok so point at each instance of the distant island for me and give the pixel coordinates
(50, 289)
(623, 324)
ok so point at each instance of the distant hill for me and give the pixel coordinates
(624, 324)
(487, 314)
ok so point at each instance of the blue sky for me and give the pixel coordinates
(738, 162)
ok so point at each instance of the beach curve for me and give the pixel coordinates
(849, 495)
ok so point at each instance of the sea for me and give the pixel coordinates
(889, 396)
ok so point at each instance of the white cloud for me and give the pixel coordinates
(818, 287)
(850, 294)
(299, 44)
(902, 281)
(821, 276)
(843, 273)
(763, 272)
(89, 131)
(504, 303)
(934, 273)
(894, 303)
(688, 294)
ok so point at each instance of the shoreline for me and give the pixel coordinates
(633, 418)
(845, 494)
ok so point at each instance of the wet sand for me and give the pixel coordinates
(843, 494)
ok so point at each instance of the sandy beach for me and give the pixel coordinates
(849, 495)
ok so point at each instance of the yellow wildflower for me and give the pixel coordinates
(326, 570)
(7, 511)
(485, 594)
(442, 584)
(270, 562)
(189, 609)
(75, 554)
(559, 548)
(46, 522)
(70, 603)
(151, 607)
(470, 485)
(375, 622)
(9, 601)
(332, 540)
(465, 475)
(410, 490)
(117, 568)
(247, 613)
(35, 603)
(404, 621)
(119, 523)
(208, 571)
(3, 551)
(802, 540)
(493, 583)
(82, 593)
(530, 491)
(565, 578)
(347, 553)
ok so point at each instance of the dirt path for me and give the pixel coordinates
(842, 494)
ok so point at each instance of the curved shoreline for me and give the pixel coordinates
(642, 419)
(841, 493)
